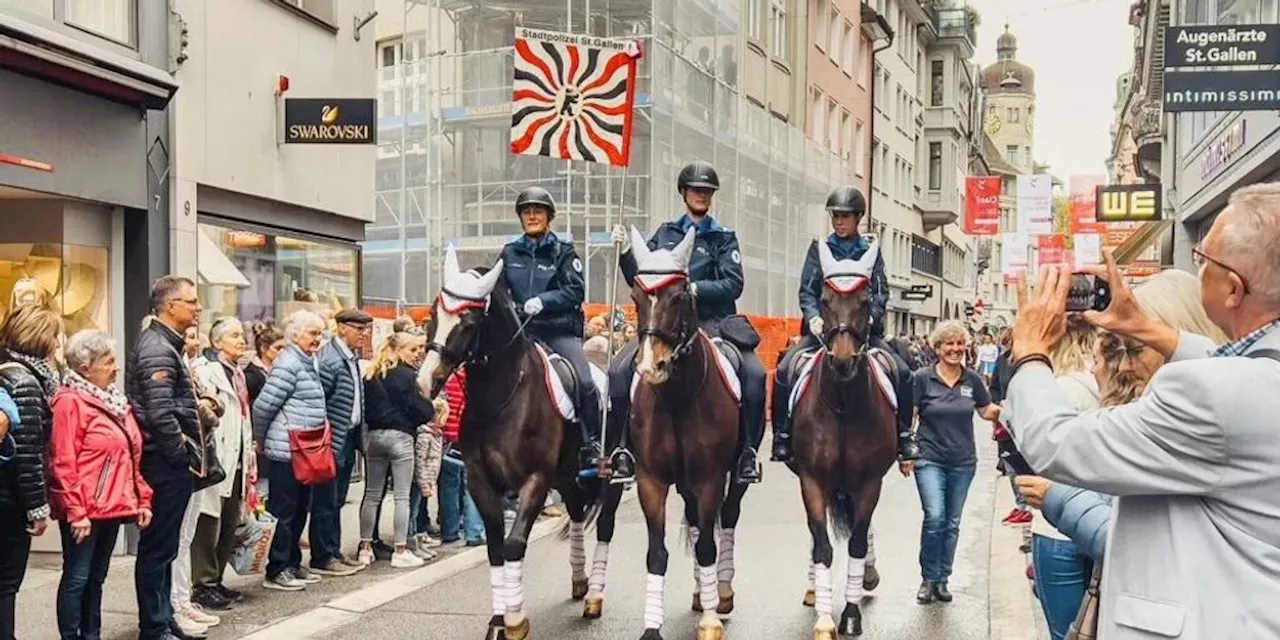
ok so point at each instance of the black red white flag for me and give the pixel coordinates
(573, 97)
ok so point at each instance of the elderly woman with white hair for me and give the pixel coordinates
(95, 481)
(221, 505)
(291, 400)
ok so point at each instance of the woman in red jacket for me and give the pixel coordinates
(94, 482)
(459, 517)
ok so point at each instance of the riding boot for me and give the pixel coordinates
(908, 449)
(751, 423)
(590, 453)
(622, 464)
(781, 419)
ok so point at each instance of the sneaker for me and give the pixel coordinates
(335, 568)
(405, 560)
(354, 563)
(382, 550)
(475, 543)
(283, 581)
(1024, 519)
(1013, 514)
(188, 626)
(420, 548)
(230, 594)
(305, 575)
(428, 541)
(211, 598)
(365, 556)
(197, 613)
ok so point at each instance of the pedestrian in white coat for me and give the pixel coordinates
(1194, 547)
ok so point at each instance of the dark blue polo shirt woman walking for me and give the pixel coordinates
(946, 396)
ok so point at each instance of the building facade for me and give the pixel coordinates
(267, 226)
(1010, 88)
(721, 80)
(920, 152)
(839, 77)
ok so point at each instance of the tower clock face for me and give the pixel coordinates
(993, 124)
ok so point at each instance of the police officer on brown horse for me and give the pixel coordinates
(846, 206)
(715, 274)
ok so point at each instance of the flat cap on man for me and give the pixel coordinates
(352, 316)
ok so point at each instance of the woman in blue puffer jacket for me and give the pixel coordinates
(292, 398)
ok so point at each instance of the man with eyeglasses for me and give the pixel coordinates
(160, 389)
(1193, 543)
(339, 364)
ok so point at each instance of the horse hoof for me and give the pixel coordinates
(871, 579)
(824, 628)
(518, 632)
(651, 634)
(810, 598)
(593, 608)
(726, 599)
(579, 588)
(851, 621)
(710, 629)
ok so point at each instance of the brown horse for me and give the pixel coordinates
(513, 437)
(684, 425)
(845, 435)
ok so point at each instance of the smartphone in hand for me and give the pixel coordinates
(1088, 292)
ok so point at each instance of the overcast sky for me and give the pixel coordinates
(1077, 48)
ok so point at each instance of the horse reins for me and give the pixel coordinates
(684, 342)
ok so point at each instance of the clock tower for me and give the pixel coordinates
(1010, 89)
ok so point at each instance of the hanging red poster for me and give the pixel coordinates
(982, 205)
(1084, 204)
(1052, 250)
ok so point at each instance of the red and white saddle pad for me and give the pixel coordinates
(555, 387)
(723, 366)
(806, 374)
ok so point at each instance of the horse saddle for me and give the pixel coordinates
(562, 383)
(884, 367)
(730, 352)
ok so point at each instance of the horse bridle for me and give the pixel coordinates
(468, 355)
(683, 342)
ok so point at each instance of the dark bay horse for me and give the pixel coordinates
(513, 437)
(684, 425)
(845, 436)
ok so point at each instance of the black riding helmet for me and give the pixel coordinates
(535, 195)
(846, 200)
(698, 175)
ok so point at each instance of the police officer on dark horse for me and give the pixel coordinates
(544, 276)
(715, 274)
(846, 206)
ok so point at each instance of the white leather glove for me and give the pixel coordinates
(621, 238)
(816, 326)
(533, 306)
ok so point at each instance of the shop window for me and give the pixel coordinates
(935, 165)
(936, 85)
(321, 10)
(255, 276)
(112, 19)
(71, 279)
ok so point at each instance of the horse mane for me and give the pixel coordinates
(500, 327)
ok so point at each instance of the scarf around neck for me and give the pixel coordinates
(46, 373)
(111, 397)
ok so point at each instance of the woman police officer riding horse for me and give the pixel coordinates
(715, 273)
(846, 206)
(544, 275)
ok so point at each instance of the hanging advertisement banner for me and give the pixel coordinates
(1013, 255)
(1051, 249)
(1086, 249)
(1035, 204)
(982, 205)
(1083, 199)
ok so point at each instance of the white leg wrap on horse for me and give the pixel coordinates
(577, 549)
(498, 588)
(871, 545)
(710, 590)
(725, 563)
(811, 566)
(654, 591)
(853, 585)
(515, 586)
(599, 566)
(822, 590)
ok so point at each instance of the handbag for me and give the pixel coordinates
(739, 331)
(312, 455)
(1085, 626)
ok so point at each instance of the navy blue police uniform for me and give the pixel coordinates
(715, 270)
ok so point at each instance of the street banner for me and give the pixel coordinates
(1013, 255)
(1083, 199)
(1087, 249)
(1035, 204)
(982, 205)
(1051, 249)
(573, 96)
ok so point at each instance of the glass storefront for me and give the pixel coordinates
(257, 276)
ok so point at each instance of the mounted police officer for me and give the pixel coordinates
(715, 274)
(846, 206)
(544, 275)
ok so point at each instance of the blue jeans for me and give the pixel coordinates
(84, 569)
(943, 489)
(458, 513)
(417, 505)
(1062, 576)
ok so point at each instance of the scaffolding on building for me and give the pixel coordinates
(445, 174)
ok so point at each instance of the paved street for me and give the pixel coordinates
(772, 551)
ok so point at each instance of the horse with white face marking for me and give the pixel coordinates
(845, 435)
(684, 424)
(513, 435)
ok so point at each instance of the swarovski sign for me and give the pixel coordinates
(330, 121)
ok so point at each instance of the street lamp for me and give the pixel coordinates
(877, 28)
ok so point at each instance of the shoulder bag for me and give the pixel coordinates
(311, 454)
(202, 453)
(1085, 626)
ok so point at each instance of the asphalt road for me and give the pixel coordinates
(772, 551)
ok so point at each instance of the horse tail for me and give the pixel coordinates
(839, 512)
